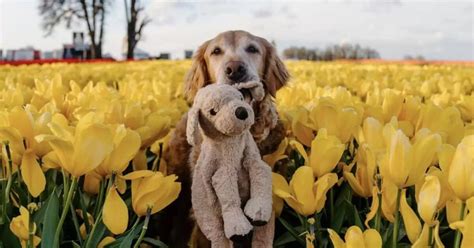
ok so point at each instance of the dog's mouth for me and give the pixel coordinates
(247, 95)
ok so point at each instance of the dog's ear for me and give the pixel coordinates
(275, 73)
(192, 126)
(197, 76)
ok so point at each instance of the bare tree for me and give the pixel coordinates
(90, 12)
(136, 21)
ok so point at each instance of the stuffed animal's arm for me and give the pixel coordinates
(259, 206)
(225, 183)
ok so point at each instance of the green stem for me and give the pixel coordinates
(378, 216)
(144, 228)
(457, 237)
(430, 236)
(156, 166)
(397, 220)
(76, 224)
(97, 221)
(31, 234)
(111, 181)
(57, 234)
(98, 204)
(85, 215)
(331, 205)
(9, 180)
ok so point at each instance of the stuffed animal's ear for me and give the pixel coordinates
(198, 75)
(275, 73)
(192, 126)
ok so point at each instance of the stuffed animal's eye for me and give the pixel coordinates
(213, 112)
(216, 51)
(252, 49)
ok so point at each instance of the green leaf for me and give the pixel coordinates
(155, 242)
(8, 239)
(292, 231)
(50, 220)
(75, 245)
(287, 237)
(97, 235)
(126, 241)
(357, 219)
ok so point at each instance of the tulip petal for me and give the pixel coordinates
(107, 240)
(354, 237)
(91, 145)
(372, 239)
(115, 212)
(138, 174)
(337, 242)
(299, 147)
(411, 221)
(321, 187)
(461, 171)
(301, 185)
(428, 199)
(32, 174)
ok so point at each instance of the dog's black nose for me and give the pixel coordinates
(241, 113)
(235, 71)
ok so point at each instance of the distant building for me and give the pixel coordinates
(27, 53)
(188, 54)
(1, 54)
(164, 56)
(137, 52)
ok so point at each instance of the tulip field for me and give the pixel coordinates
(376, 154)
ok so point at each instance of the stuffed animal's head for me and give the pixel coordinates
(220, 111)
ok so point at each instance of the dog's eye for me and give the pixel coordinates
(213, 112)
(252, 49)
(216, 51)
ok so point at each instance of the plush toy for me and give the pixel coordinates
(231, 188)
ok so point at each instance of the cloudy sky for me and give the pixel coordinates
(436, 29)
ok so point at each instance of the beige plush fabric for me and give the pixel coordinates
(231, 188)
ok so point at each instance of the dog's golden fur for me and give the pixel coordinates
(176, 226)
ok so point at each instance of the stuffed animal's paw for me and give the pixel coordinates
(258, 211)
(236, 225)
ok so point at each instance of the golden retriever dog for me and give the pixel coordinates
(231, 57)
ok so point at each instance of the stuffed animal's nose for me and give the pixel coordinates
(241, 113)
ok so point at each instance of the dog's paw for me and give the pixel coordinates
(258, 211)
(236, 224)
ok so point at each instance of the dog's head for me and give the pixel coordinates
(220, 110)
(233, 57)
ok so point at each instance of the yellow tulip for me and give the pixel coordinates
(20, 227)
(389, 196)
(126, 145)
(151, 190)
(466, 226)
(32, 174)
(301, 128)
(156, 127)
(355, 238)
(423, 240)
(337, 120)
(105, 241)
(115, 212)
(447, 122)
(411, 221)
(428, 199)
(278, 154)
(371, 133)
(363, 180)
(392, 103)
(406, 163)
(461, 171)
(326, 151)
(82, 152)
(303, 194)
